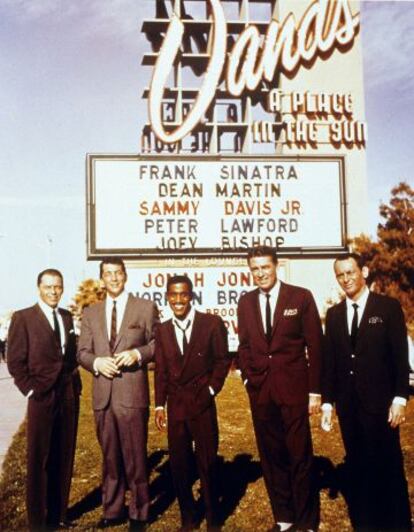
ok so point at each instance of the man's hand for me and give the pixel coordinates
(396, 415)
(106, 366)
(314, 404)
(160, 419)
(126, 359)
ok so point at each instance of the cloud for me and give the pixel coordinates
(388, 45)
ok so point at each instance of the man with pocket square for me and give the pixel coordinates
(42, 359)
(366, 377)
(191, 364)
(115, 345)
(280, 341)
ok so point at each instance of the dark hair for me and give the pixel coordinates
(175, 279)
(49, 271)
(111, 260)
(262, 251)
(346, 256)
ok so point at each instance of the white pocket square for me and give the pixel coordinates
(290, 312)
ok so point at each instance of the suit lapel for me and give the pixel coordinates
(281, 303)
(101, 311)
(365, 316)
(126, 318)
(258, 313)
(343, 324)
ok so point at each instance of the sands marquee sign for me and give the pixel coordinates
(239, 59)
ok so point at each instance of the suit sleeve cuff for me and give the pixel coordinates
(399, 401)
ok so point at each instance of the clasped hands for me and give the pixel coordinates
(110, 367)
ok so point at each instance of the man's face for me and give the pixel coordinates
(350, 277)
(50, 289)
(264, 274)
(179, 299)
(114, 279)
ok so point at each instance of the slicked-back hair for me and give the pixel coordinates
(176, 279)
(49, 271)
(111, 260)
(262, 251)
(357, 258)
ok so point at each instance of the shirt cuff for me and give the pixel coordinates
(399, 401)
(245, 381)
(139, 356)
(159, 408)
(211, 391)
(314, 394)
(31, 392)
(94, 367)
(326, 407)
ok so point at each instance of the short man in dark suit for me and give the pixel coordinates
(366, 377)
(191, 364)
(279, 355)
(42, 359)
(115, 345)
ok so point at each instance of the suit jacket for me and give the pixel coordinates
(184, 382)
(34, 357)
(292, 359)
(380, 363)
(130, 389)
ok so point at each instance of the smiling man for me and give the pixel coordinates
(41, 357)
(191, 364)
(366, 377)
(116, 344)
(279, 355)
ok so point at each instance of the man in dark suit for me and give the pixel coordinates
(366, 377)
(191, 364)
(115, 345)
(42, 359)
(279, 357)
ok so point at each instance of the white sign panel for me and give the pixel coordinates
(177, 207)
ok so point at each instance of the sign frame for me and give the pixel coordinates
(95, 253)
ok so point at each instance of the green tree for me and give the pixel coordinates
(391, 257)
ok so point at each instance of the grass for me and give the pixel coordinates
(244, 498)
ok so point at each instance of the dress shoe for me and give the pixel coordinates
(65, 524)
(107, 522)
(136, 525)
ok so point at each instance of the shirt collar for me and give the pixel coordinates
(47, 310)
(274, 291)
(121, 299)
(361, 301)
(188, 319)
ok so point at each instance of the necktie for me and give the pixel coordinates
(183, 330)
(56, 329)
(113, 328)
(354, 326)
(268, 319)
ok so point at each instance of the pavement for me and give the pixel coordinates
(12, 412)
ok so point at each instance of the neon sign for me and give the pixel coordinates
(288, 45)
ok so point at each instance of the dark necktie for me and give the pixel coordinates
(113, 328)
(354, 326)
(184, 330)
(56, 329)
(268, 319)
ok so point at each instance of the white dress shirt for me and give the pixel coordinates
(274, 294)
(187, 324)
(121, 303)
(48, 312)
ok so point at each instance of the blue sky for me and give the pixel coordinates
(71, 83)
